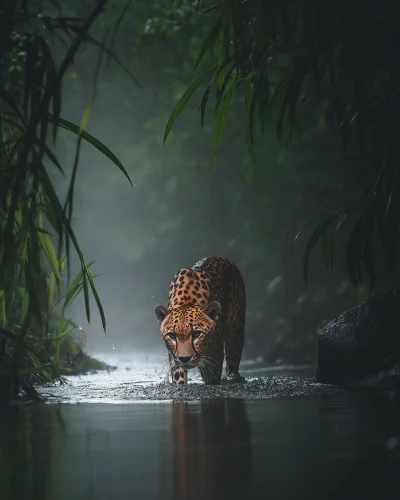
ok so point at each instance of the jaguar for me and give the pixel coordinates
(204, 321)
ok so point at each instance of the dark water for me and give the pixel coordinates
(327, 446)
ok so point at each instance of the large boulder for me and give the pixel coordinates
(362, 345)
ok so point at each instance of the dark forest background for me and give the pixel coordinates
(181, 210)
(184, 203)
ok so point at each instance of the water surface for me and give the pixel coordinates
(334, 444)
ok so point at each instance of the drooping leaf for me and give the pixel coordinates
(209, 42)
(96, 298)
(74, 288)
(24, 303)
(319, 230)
(221, 116)
(185, 98)
(71, 127)
(51, 255)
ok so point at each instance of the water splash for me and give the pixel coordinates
(145, 378)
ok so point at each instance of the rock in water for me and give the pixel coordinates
(362, 345)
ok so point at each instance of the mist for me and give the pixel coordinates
(180, 210)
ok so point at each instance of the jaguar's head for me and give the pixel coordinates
(187, 330)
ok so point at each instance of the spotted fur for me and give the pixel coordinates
(205, 317)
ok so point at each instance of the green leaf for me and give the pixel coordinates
(209, 41)
(315, 236)
(24, 303)
(227, 80)
(60, 336)
(51, 254)
(86, 116)
(96, 298)
(315, 220)
(68, 229)
(204, 101)
(74, 288)
(35, 355)
(86, 292)
(185, 98)
(52, 288)
(221, 118)
(72, 127)
(3, 314)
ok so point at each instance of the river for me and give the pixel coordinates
(129, 435)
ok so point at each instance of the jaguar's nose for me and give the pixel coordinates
(184, 359)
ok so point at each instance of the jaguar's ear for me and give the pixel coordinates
(213, 310)
(161, 313)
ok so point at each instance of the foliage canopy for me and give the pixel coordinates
(293, 61)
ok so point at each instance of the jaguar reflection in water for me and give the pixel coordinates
(211, 454)
(206, 314)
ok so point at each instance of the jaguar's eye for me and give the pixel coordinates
(196, 334)
(171, 335)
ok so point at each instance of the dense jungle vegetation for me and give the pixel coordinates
(116, 70)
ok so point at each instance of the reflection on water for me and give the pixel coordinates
(292, 448)
(24, 439)
(360, 436)
(211, 450)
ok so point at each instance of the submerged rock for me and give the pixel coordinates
(362, 345)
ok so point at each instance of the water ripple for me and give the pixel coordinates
(145, 379)
(108, 391)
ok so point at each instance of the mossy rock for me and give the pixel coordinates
(74, 361)
(362, 345)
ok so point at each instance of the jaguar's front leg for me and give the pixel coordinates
(179, 375)
(212, 367)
